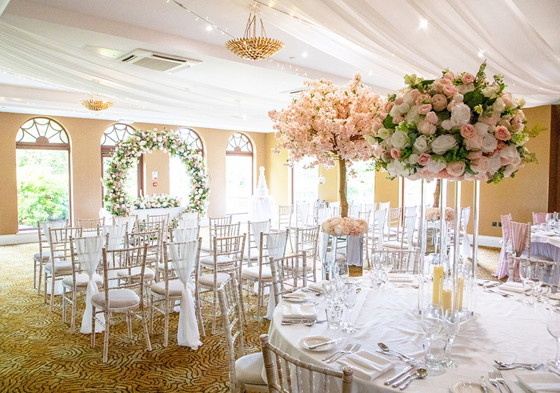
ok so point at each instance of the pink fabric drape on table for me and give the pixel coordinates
(503, 264)
(519, 233)
(539, 218)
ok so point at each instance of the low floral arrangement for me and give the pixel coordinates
(145, 141)
(156, 201)
(340, 226)
(458, 126)
(432, 214)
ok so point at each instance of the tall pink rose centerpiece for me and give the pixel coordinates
(459, 126)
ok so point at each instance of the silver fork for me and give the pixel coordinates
(353, 350)
(493, 381)
(498, 292)
(347, 349)
(500, 379)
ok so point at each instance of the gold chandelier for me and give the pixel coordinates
(96, 104)
(251, 46)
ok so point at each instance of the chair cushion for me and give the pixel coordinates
(118, 298)
(60, 267)
(209, 260)
(253, 273)
(395, 244)
(148, 273)
(175, 288)
(248, 369)
(82, 280)
(46, 255)
(207, 280)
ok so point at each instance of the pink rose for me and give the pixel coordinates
(480, 165)
(506, 160)
(474, 155)
(517, 122)
(396, 154)
(491, 121)
(426, 128)
(442, 174)
(456, 169)
(450, 90)
(423, 99)
(424, 109)
(439, 102)
(449, 75)
(399, 101)
(414, 93)
(377, 151)
(501, 133)
(424, 158)
(389, 105)
(432, 117)
(467, 78)
(468, 131)
(506, 98)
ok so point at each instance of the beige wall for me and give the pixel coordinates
(85, 138)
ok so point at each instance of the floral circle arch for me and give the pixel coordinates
(144, 141)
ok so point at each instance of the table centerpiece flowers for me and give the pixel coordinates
(156, 202)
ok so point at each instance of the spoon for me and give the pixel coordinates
(420, 373)
(385, 348)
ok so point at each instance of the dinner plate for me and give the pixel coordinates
(306, 342)
(465, 387)
(295, 297)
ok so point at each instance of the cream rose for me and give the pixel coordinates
(461, 114)
(384, 133)
(456, 169)
(489, 143)
(426, 128)
(480, 165)
(439, 102)
(443, 143)
(421, 144)
(400, 139)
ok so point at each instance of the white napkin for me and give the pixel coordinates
(516, 287)
(367, 365)
(317, 286)
(299, 311)
(545, 233)
(400, 277)
(539, 382)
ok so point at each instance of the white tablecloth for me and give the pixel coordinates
(546, 244)
(262, 208)
(143, 213)
(502, 329)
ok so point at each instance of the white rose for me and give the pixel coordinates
(396, 168)
(494, 163)
(489, 143)
(384, 133)
(443, 143)
(400, 139)
(412, 115)
(421, 144)
(413, 159)
(490, 90)
(510, 169)
(435, 166)
(481, 128)
(460, 114)
(464, 89)
(403, 108)
(407, 98)
(499, 105)
(447, 124)
(458, 97)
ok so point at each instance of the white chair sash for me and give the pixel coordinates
(128, 222)
(276, 246)
(183, 256)
(380, 221)
(302, 211)
(181, 235)
(257, 227)
(89, 251)
(46, 227)
(116, 235)
(410, 224)
(188, 223)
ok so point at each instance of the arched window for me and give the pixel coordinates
(305, 182)
(43, 172)
(239, 174)
(112, 135)
(179, 179)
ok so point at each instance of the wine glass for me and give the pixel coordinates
(524, 272)
(340, 271)
(349, 295)
(553, 326)
(431, 319)
(387, 262)
(451, 319)
(535, 279)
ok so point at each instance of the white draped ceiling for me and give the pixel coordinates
(382, 39)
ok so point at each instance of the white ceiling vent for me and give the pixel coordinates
(294, 93)
(157, 61)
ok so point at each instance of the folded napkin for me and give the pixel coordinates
(400, 277)
(516, 287)
(317, 286)
(367, 365)
(539, 382)
(545, 233)
(299, 311)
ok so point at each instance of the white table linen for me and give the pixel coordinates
(275, 246)
(502, 329)
(183, 257)
(89, 255)
(546, 243)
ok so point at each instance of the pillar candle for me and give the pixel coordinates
(459, 297)
(446, 299)
(438, 282)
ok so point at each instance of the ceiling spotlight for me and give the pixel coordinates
(304, 54)
(209, 28)
(423, 24)
(480, 54)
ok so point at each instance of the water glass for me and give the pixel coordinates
(329, 288)
(334, 313)
(535, 277)
(349, 295)
(451, 324)
(340, 271)
(434, 349)
(432, 319)
(376, 277)
(524, 273)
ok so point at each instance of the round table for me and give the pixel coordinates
(502, 329)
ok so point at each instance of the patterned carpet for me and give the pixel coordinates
(38, 353)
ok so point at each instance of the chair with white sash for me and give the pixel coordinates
(42, 257)
(178, 235)
(90, 224)
(86, 254)
(307, 240)
(153, 241)
(285, 373)
(245, 371)
(254, 230)
(521, 246)
(503, 263)
(124, 295)
(129, 221)
(179, 261)
(401, 260)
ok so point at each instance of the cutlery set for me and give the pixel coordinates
(496, 379)
(346, 351)
(301, 321)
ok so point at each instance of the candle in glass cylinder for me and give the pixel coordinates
(438, 281)
(446, 299)
(459, 297)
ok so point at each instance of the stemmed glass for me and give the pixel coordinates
(451, 320)
(340, 271)
(535, 279)
(387, 262)
(553, 326)
(349, 295)
(524, 273)
(432, 319)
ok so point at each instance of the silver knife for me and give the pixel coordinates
(483, 385)
(325, 343)
(403, 372)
